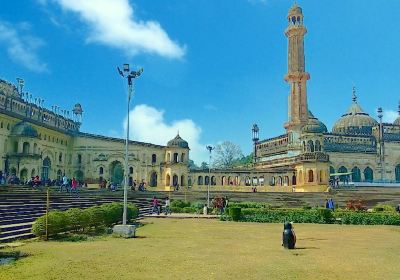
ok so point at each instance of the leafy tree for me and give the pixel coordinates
(226, 153)
(244, 161)
(192, 165)
(204, 165)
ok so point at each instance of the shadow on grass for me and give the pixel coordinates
(306, 248)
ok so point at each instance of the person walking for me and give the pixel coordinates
(155, 205)
(74, 186)
(64, 183)
(167, 206)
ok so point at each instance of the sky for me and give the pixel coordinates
(212, 68)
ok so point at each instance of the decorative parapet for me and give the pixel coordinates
(349, 144)
(272, 146)
(12, 104)
(315, 156)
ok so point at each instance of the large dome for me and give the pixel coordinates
(314, 125)
(178, 142)
(24, 129)
(355, 121)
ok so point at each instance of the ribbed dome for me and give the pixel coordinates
(178, 142)
(24, 129)
(314, 125)
(355, 121)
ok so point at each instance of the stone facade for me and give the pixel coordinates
(38, 141)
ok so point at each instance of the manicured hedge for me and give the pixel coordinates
(179, 206)
(320, 216)
(82, 220)
(235, 213)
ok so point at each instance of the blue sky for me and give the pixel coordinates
(211, 67)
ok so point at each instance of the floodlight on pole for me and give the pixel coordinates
(130, 76)
(381, 144)
(209, 148)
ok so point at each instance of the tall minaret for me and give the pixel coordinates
(297, 76)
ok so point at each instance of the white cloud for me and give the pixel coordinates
(390, 116)
(22, 48)
(147, 124)
(113, 23)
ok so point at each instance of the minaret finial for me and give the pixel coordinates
(354, 95)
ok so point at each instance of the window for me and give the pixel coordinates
(60, 157)
(153, 158)
(101, 170)
(79, 159)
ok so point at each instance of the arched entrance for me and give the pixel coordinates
(294, 179)
(168, 180)
(175, 181)
(200, 180)
(59, 175)
(356, 174)
(23, 175)
(183, 180)
(368, 175)
(46, 167)
(153, 179)
(343, 178)
(397, 173)
(116, 172)
(310, 176)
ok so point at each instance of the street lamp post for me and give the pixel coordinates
(130, 76)
(255, 139)
(209, 148)
(382, 145)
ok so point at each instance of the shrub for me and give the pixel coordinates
(319, 216)
(250, 205)
(57, 222)
(96, 216)
(325, 215)
(355, 204)
(235, 213)
(180, 204)
(76, 219)
(384, 208)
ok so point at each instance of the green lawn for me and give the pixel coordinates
(210, 249)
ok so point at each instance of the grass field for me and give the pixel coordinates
(210, 249)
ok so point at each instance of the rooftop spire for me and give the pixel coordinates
(354, 95)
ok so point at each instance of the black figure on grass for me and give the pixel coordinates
(288, 237)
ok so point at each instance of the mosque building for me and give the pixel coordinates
(38, 141)
(307, 155)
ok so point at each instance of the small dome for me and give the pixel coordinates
(314, 125)
(355, 121)
(24, 129)
(77, 109)
(178, 142)
(295, 10)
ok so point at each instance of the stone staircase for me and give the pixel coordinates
(20, 206)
